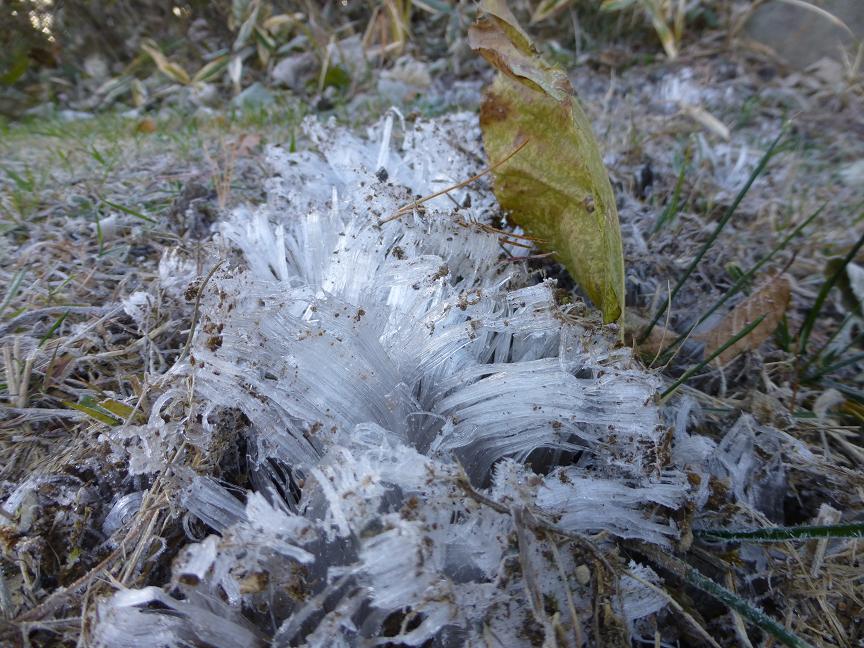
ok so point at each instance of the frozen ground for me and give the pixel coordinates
(240, 407)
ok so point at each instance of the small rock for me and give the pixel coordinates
(293, 72)
(96, 67)
(801, 36)
(583, 575)
(255, 96)
(408, 79)
(73, 115)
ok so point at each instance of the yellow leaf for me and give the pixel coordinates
(121, 410)
(557, 188)
(92, 413)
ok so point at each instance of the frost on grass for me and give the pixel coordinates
(416, 410)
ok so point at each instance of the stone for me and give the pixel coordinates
(255, 96)
(294, 71)
(801, 36)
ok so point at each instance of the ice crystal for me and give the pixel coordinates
(392, 377)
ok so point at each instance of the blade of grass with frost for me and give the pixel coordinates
(784, 534)
(12, 291)
(825, 354)
(742, 281)
(23, 184)
(856, 341)
(719, 228)
(750, 612)
(127, 210)
(846, 390)
(557, 189)
(858, 357)
(815, 310)
(697, 368)
(53, 328)
(93, 413)
(674, 205)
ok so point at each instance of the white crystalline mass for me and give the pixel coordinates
(382, 365)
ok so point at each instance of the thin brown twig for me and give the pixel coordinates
(195, 310)
(538, 524)
(412, 206)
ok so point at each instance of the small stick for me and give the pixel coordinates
(536, 523)
(195, 310)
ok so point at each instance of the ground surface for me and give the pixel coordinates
(90, 207)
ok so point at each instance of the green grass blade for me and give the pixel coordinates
(826, 355)
(121, 410)
(846, 390)
(686, 375)
(743, 280)
(747, 610)
(674, 205)
(716, 591)
(719, 228)
(858, 357)
(92, 413)
(23, 184)
(100, 239)
(17, 278)
(53, 328)
(807, 326)
(127, 210)
(783, 534)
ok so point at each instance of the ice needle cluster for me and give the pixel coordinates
(430, 434)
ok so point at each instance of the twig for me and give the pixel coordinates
(195, 311)
(536, 523)
(412, 206)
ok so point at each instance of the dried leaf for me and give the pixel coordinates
(557, 187)
(247, 143)
(146, 126)
(770, 302)
(57, 370)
